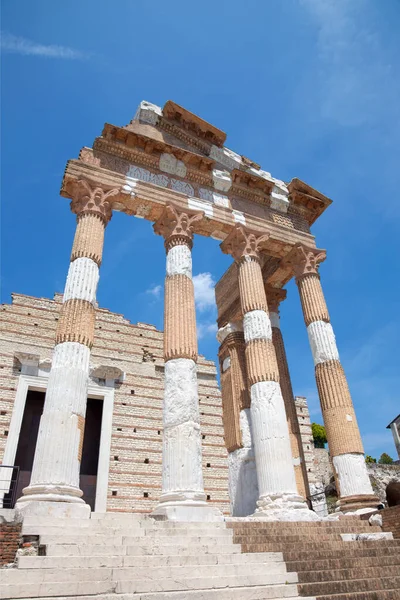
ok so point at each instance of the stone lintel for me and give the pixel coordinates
(147, 200)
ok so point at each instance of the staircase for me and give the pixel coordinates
(132, 557)
(329, 568)
(124, 557)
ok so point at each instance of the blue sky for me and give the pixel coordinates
(306, 88)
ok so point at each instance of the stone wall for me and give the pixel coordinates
(381, 475)
(28, 325)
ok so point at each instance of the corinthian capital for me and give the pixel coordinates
(89, 199)
(304, 261)
(242, 243)
(274, 297)
(176, 227)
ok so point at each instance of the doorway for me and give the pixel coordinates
(90, 451)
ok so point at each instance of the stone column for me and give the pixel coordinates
(345, 445)
(274, 298)
(278, 496)
(54, 486)
(243, 486)
(182, 496)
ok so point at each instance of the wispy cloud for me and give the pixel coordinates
(155, 291)
(355, 76)
(19, 45)
(204, 291)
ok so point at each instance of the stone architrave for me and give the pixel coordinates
(182, 497)
(274, 297)
(345, 445)
(243, 486)
(278, 495)
(54, 486)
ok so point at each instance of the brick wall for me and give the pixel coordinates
(9, 541)
(391, 520)
(28, 325)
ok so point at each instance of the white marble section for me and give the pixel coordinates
(273, 453)
(180, 392)
(182, 461)
(239, 217)
(228, 158)
(243, 486)
(82, 280)
(226, 363)
(148, 113)
(173, 166)
(59, 433)
(257, 326)
(221, 200)
(275, 320)
(179, 261)
(279, 199)
(322, 342)
(206, 207)
(352, 474)
(231, 327)
(222, 180)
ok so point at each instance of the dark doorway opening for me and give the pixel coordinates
(90, 450)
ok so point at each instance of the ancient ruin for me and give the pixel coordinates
(109, 477)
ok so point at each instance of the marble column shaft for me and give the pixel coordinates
(340, 421)
(182, 477)
(56, 467)
(274, 297)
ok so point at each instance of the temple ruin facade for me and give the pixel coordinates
(172, 168)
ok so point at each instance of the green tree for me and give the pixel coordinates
(385, 459)
(369, 459)
(319, 435)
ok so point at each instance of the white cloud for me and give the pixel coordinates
(205, 329)
(20, 45)
(155, 291)
(204, 291)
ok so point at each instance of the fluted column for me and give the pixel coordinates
(182, 496)
(340, 421)
(243, 486)
(278, 496)
(274, 298)
(56, 466)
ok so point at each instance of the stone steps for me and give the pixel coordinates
(326, 588)
(303, 538)
(156, 573)
(145, 550)
(341, 562)
(202, 560)
(309, 546)
(127, 540)
(312, 576)
(281, 585)
(352, 552)
(273, 592)
(374, 595)
(125, 531)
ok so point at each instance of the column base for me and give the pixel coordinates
(45, 508)
(187, 511)
(358, 503)
(284, 507)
